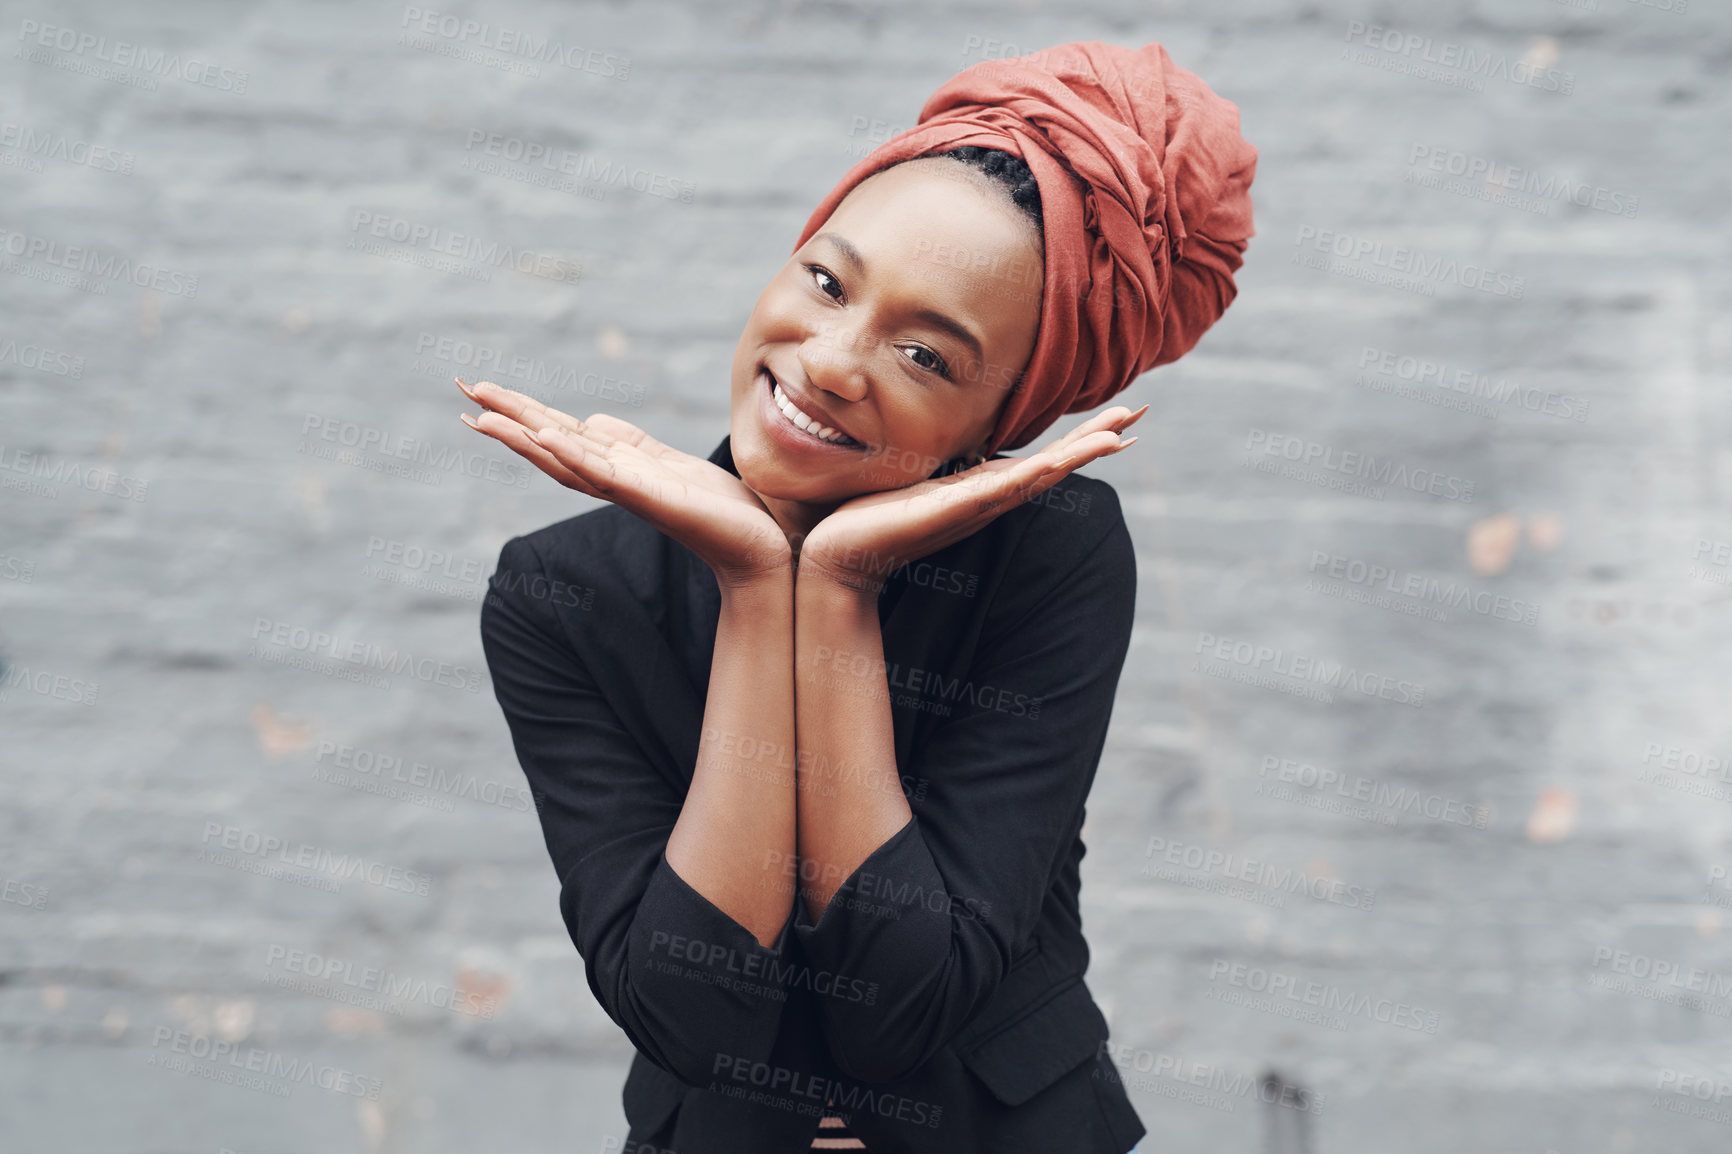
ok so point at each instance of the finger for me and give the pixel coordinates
(993, 486)
(1116, 418)
(525, 410)
(516, 438)
(608, 468)
(615, 429)
(520, 439)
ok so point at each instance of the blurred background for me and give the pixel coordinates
(1414, 828)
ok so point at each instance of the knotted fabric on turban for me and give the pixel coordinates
(1145, 192)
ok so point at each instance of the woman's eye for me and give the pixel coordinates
(824, 277)
(937, 364)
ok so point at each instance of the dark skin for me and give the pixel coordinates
(801, 541)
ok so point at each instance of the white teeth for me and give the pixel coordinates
(801, 420)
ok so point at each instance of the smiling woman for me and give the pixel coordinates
(866, 364)
(816, 811)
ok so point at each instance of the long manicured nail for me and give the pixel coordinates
(1127, 444)
(469, 422)
(465, 388)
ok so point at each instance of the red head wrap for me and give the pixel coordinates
(1145, 192)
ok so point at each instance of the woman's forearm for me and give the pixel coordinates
(850, 795)
(736, 829)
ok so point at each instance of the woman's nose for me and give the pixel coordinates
(835, 359)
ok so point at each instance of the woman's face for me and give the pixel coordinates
(901, 324)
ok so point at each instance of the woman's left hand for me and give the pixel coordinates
(867, 538)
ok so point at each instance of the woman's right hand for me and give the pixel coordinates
(702, 506)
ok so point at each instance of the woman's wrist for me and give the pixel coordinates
(768, 585)
(834, 588)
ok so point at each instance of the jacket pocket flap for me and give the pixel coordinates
(1032, 1053)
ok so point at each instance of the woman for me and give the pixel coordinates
(810, 724)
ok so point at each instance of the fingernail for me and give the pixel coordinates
(469, 422)
(463, 386)
(1127, 444)
(530, 433)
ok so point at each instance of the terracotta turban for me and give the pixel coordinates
(1145, 191)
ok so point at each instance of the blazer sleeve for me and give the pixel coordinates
(685, 981)
(936, 913)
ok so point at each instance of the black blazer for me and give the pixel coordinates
(939, 1002)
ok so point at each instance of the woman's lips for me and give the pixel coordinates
(784, 429)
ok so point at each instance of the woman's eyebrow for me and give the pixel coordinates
(931, 316)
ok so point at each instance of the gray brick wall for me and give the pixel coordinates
(1475, 901)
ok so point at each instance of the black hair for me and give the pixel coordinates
(1011, 171)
